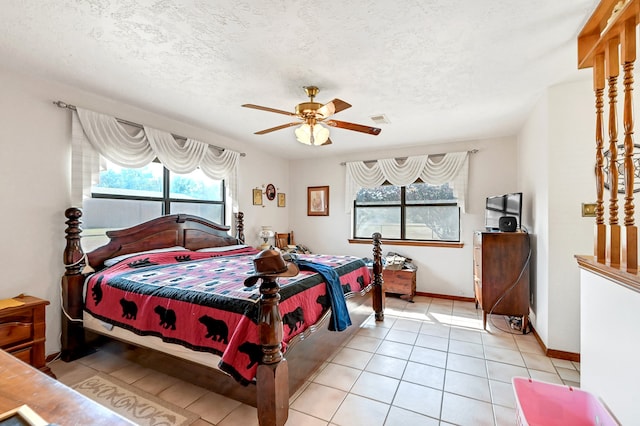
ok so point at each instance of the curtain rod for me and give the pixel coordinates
(131, 123)
(471, 151)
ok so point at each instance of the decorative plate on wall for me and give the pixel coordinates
(270, 192)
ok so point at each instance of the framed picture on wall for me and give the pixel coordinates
(282, 199)
(257, 197)
(318, 201)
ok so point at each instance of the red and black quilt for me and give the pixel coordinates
(198, 300)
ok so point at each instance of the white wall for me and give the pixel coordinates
(557, 154)
(610, 333)
(35, 189)
(447, 271)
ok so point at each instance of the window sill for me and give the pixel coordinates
(409, 243)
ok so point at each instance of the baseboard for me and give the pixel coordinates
(553, 353)
(446, 296)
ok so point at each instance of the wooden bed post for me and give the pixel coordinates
(272, 377)
(72, 282)
(376, 292)
(240, 226)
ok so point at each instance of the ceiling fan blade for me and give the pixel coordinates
(328, 142)
(273, 129)
(353, 126)
(333, 107)
(262, 108)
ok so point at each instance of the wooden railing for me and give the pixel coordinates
(607, 44)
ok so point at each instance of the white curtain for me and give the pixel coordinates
(95, 135)
(452, 167)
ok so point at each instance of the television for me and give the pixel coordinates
(502, 205)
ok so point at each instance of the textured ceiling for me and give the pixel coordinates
(439, 70)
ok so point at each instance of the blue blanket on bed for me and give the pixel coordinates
(340, 318)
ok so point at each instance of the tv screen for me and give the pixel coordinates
(502, 205)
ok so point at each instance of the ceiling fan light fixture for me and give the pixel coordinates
(320, 134)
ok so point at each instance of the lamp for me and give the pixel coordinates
(312, 134)
(265, 233)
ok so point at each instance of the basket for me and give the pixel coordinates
(548, 404)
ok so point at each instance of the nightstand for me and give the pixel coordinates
(400, 281)
(22, 331)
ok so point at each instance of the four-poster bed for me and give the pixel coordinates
(188, 243)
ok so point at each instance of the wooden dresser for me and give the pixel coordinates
(22, 331)
(401, 281)
(498, 260)
(56, 403)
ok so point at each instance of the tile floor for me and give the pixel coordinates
(429, 363)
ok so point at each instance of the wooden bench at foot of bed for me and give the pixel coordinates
(277, 377)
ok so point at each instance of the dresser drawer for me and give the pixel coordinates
(23, 354)
(15, 332)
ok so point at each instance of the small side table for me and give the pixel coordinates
(400, 281)
(22, 331)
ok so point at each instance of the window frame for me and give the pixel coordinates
(402, 204)
(166, 200)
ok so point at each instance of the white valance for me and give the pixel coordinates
(95, 135)
(452, 167)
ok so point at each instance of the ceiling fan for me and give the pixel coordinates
(312, 114)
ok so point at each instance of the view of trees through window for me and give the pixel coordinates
(418, 211)
(126, 196)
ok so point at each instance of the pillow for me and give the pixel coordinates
(114, 260)
(223, 248)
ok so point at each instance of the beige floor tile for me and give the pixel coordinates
(500, 340)
(296, 418)
(352, 358)
(466, 335)
(376, 331)
(155, 382)
(244, 415)
(319, 401)
(201, 422)
(466, 348)
(71, 373)
(396, 350)
(467, 364)
(364, 343)
(182, 393)
(104, 361)
(421, 399)
(507, 356)
(529, 346)
(376, 387)
(432, 342)
(359, 411)
(505, 372)
(423, 374)
(131, 373)
(504, 416)
(502, 394)
(387, 366)
(407, 325)
(400, 417)
(538, 362)
(434, 329)
(568, 374)
(213, 407)
(460, 410)
(429, 356)
(562, 363)
(467, 385)
(401, 336)
(338, 376)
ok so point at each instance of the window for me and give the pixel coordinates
(419, 212)
(125, 197)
